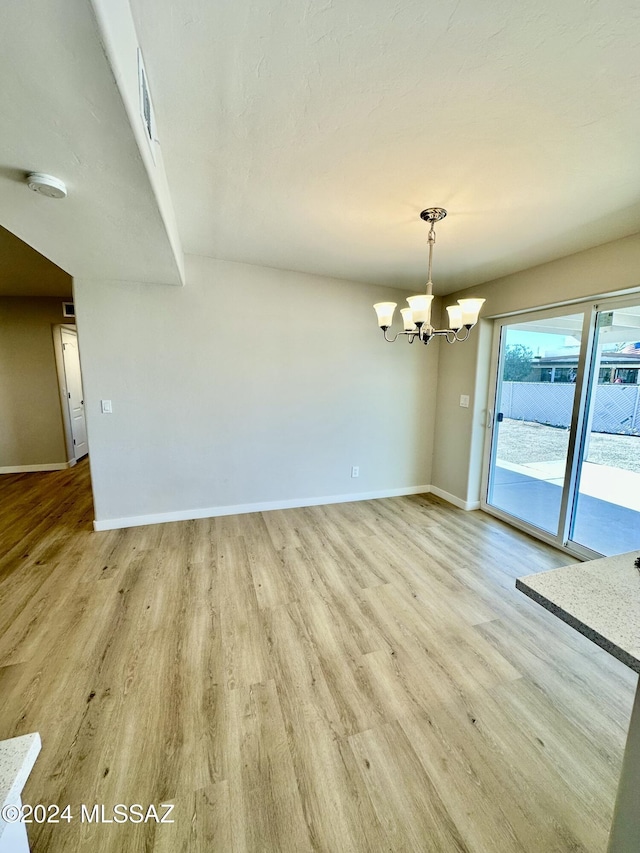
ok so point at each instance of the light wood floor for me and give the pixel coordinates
(358, 677)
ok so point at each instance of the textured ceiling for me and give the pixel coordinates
(308, 135)
(61, 113)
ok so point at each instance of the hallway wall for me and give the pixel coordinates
(31, 424)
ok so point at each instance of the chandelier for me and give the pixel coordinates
(417, 317)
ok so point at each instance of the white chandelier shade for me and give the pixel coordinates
(465, 313)
(385, 310)
(407, 319)
(420, 308)
(455, 317)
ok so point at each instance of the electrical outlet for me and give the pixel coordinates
(464, 401)
(355, 471)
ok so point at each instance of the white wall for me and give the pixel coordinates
(248, 386)
(31, 425)
(460, 434)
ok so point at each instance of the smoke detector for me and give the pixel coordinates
(46, 185)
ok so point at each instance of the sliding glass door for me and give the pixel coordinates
(606, 509)
(535, 395)
(563, 455)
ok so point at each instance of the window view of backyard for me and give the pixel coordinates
(522, 442)
(539, 370)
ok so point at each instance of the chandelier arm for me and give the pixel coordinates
(448, 334)
(411, 335)
(390, 340)
(466, 335)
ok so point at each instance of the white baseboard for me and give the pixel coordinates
(453, 499)
(29, 469)
(240, 509)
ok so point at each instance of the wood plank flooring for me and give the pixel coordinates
(357, 677)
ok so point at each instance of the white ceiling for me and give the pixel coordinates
(309, 134)
(624, 325)
(62, 113)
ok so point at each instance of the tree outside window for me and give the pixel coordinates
(517, 363)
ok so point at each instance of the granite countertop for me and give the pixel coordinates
(600, 598)
(17, 757)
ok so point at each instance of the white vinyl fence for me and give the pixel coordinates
(617, 407)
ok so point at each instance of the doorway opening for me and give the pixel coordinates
(42, 427)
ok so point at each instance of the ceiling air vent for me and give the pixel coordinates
(146, 107)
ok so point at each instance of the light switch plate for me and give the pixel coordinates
(464, 401)
(106, 407)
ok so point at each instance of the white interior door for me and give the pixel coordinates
(75, 394)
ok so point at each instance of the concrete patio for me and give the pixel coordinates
(608, 510)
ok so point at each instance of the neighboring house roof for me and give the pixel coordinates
(624, 358)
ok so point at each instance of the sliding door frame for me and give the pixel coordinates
(586, 382)
(591, 383)
(560, 538)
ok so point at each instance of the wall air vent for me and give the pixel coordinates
(146, 107)
(68, 309)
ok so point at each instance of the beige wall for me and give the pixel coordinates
(31, 426)
(459, 435)
(247, 386)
